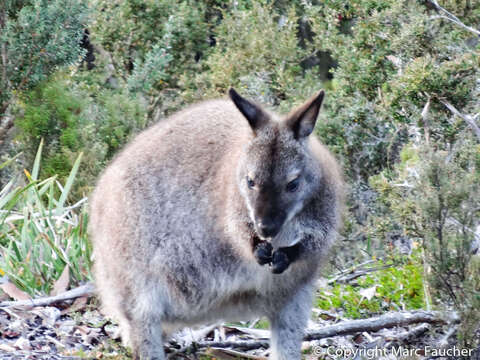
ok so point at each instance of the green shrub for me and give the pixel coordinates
(431, 195)
(398, 285)
(130, 29)
(392, 57)
(73, 120)
(151, 72)
(254, 52)
(38, 36)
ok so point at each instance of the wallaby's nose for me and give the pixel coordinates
(268, 228)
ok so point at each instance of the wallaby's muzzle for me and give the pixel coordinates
(269, 226)
(269, 216)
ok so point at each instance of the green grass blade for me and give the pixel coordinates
(10, 200)
(68, 184)
(6, 163)
(5, 191)
(36, 163)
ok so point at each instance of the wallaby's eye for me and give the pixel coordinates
(250, 183)
(293, 185)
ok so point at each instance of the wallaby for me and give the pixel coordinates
(185, 215)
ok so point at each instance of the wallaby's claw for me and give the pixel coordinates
(263, 252)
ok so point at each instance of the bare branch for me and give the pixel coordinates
(345, 279)
(470, 120)
(354, 272)
(84, 290)
(232, 354)
(343, 272)
(5, 84)
(454, 221)
(426, 122)
(238, 344)
(414, 333)
(389, 320)
(444, 340)
(377, 323)
(3, 50)
(449, 16)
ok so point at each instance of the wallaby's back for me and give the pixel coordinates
(162, 189)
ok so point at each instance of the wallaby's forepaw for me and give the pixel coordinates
(280, 262)
(263, 252)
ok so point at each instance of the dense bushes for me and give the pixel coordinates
(431, 196)
(71, 120)
(253, 51)
(393, 57)
(130, 29)
(37, 36)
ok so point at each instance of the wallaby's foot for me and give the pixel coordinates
(263, 252)
(280, 262)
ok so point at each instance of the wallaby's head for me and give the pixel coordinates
(277, 174)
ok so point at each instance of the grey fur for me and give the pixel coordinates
(172, 220)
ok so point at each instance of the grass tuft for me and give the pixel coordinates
(40, 234)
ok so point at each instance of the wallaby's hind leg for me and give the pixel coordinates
(146, 337)
(288, 324)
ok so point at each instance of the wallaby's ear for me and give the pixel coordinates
(302, 120)
(255, 115)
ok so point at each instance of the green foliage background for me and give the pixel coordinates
(391, 68)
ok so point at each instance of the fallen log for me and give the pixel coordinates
(389, 320)
(347, 327)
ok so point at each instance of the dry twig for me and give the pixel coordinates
(84, 290)
(232, 354)
(408, 335)
(470, 120)
(354, 272)
(450, 17)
